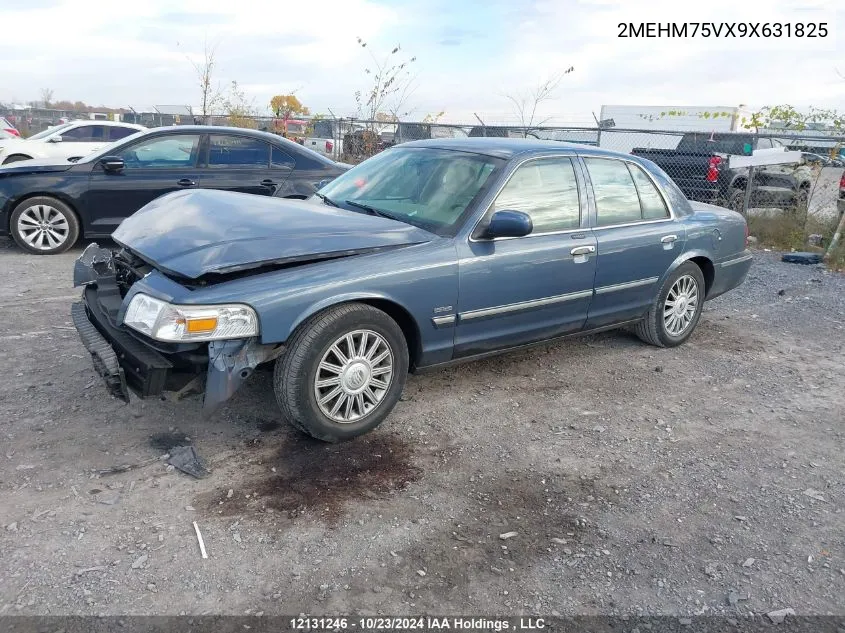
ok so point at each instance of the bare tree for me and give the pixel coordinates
(46, 97)
(391, 84)
(525, 105)
(211, 93)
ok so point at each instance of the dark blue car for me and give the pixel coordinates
(430, 253)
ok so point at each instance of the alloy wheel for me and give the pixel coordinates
(680, 306)
(353, 376)
(43, 227)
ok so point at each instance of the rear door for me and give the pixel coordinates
(243, 164)
(119, 132)
(153, 166)
(637, 239)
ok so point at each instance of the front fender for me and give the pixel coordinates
(328, 302)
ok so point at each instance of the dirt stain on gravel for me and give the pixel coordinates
(166, 441)
(510, 522)
(320, 479)
(265, 426)
(724, 335)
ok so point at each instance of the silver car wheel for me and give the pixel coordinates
(353, 376)
(680, 306)
(43, 227)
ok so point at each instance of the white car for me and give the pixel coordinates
(68, 140)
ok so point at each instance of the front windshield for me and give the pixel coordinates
(50, 131)
(429, 188)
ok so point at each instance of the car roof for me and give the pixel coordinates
(507, 148)
(81, 122)
(222, 129)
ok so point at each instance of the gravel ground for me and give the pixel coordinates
(594, 476)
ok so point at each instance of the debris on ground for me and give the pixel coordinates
(186, 459)
(802, 258)
(507, 535)
(780, 615)
(107, 497)
(200, 541)
(115, 470)
(814, 494)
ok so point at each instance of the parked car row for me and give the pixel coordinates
(46, 205)
(430, 253)
(7, 129)
(71, 140)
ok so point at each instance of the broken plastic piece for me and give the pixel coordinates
(802, 258)
(185, 458)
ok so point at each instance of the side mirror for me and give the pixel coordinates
(112, 164)
(508, 224)
(55, 139)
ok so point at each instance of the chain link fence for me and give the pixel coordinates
(792, 206)
(786, 204)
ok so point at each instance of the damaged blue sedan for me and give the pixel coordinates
(430, 253)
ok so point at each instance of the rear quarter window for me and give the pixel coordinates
(676, 198)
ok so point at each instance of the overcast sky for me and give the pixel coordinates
(470, 53)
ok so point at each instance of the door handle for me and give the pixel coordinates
(268, 183)
(582, 250)
(186, 182)
(668, 239)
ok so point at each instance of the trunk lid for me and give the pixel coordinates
(194, 233)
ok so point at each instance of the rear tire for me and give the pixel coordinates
(675, 312)
(44, 226)
(343, 372)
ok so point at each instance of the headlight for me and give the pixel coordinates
(166, 322)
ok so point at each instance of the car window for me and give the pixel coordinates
(279, 159)
(237, 151)
(179, 150)
(118, 132)
(545, 189)
(764, 143)
(426, 187)
(616, 196)
(84, 134)
(652, 203)
(50, 131)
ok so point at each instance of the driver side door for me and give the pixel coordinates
(153, 166)
(515, 291)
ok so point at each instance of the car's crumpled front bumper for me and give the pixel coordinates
(127, 360)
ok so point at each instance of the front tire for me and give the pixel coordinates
(44, 226)
(343, 372)
(675, 312)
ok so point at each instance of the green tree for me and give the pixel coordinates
(240, 111)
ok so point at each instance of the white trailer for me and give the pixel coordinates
(678, 119)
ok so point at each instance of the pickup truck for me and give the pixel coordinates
(327, 136)
(699, 166)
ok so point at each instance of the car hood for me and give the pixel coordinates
(200, 232)
(36, 166)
